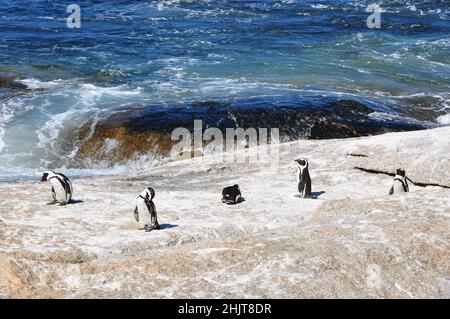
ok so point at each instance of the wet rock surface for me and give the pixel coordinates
(10, 86)
(124, 135)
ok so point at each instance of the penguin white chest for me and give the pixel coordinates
(143, 210)
(398, 187)
(60, 193)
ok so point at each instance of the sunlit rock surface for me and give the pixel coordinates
(353, 241)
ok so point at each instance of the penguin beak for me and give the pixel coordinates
(43, 178)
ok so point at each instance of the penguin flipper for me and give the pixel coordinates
(406, 186)
(67, 188)
(136, 214)
(301, 186)
(391, 191)
(154, 216)
(308, 192)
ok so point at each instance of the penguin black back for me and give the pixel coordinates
(231, 195)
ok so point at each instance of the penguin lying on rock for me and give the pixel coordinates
(145, 210)
(231, 195)
(400, 184)
(61, 187)
(303, 178)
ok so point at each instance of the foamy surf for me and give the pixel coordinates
(444, 119)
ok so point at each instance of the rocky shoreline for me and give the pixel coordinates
(128, 134)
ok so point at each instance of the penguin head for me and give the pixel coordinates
(302, 163)
(46, 175)
(150, 193)
(400, 172)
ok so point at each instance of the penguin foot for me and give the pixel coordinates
(149, 228)
(306, 196)
(52, 203)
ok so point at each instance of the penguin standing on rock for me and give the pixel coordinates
(146, 211)
(400, 184)
(61, 187)
(303, 178)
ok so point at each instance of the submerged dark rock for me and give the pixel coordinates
(148, 129)
(350, 106)
(10, 86)
(11, 83)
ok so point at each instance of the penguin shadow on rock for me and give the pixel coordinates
(304, 180)
(167, 226)
(76, 201)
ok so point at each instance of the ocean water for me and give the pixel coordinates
(133, 53)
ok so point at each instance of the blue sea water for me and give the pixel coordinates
(133, 53)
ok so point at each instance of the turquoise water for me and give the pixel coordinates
(133, 53)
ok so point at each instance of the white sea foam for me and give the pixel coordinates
(5, 115)
(383, 116)
(444, 119)
(8, 110)
(320, 6)
(38, 84)
(90, 93)
(49, 132)
(165, 4)
(75, 102)
(2, 143)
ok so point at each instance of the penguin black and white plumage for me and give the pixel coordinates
(400, 184)
(303, 178)
(62, 189)
(231, 195)
(145, 210)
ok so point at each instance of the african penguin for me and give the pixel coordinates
(62, 190)
(303, 178)
(145, 210)
(231, 195)
(400, 184)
